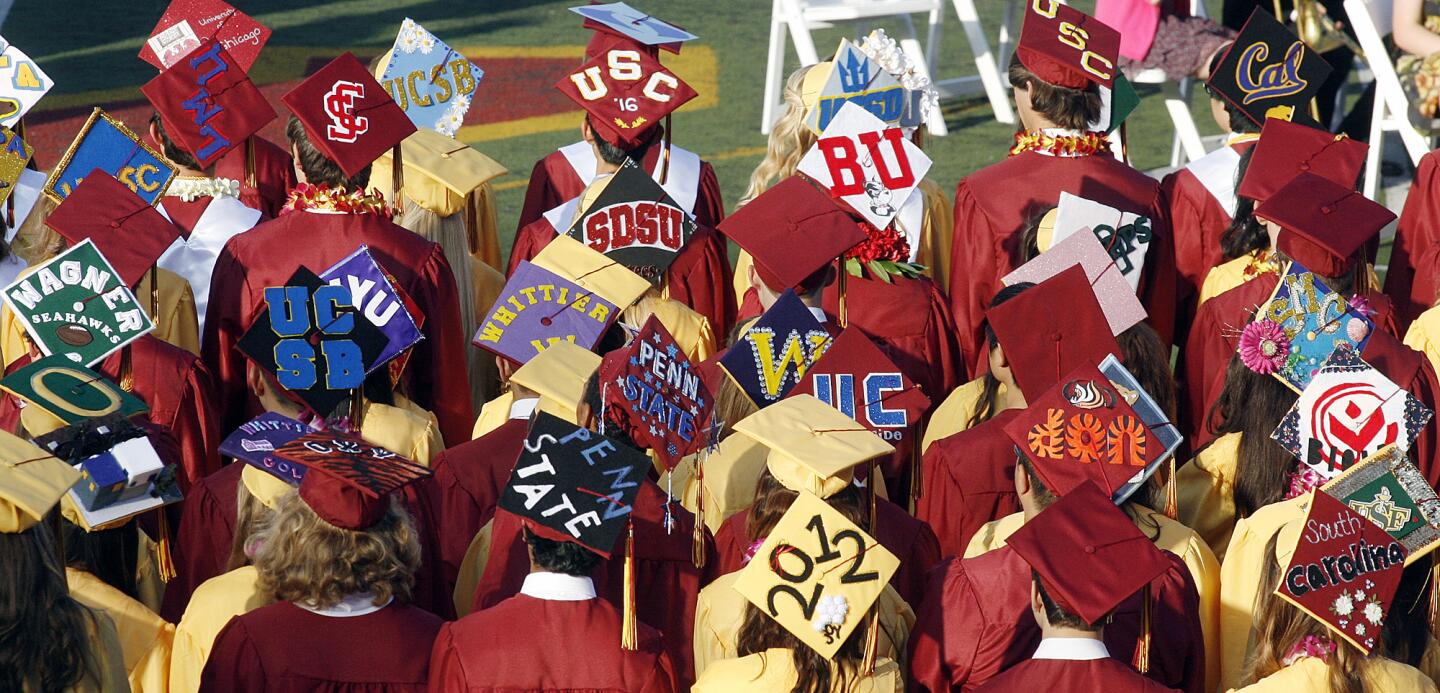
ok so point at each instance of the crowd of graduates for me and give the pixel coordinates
(277, 416)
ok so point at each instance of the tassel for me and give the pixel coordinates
(127, 377)
(917, 475)
(1172, 497)
(628, 632)
(154, 295)
(250, 163)
(874, 497)
(840, 289)
(665, 152)
(1142, 648)
(397, 179)
(164, 562)
(697, 543)
(872, 644)
(1434, 611)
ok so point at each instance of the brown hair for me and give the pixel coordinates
(1252, 405)
(1057, 615)
(174, 152)
(308, 560)
(45, 644)
(252, 519)
(1074, 109)
(318, 168)
(35, 242)
(732, 405)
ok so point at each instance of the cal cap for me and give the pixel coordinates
(1269, 72)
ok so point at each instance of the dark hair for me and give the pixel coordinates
(990, 385)
(45, 644)
(172, 151)
(1057, 615)
(612, 154)
(561, 556)
(318, 168)
(1044, 497)
(108, 554)
(1147, 357)
(1238, 122)
(772, 499)
(1252, 405)
(1074, 109)
(1245, 233)
(616, 426)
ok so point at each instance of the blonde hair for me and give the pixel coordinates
(252, 521)
(305, 559)
(789, 139)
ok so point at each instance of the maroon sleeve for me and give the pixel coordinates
(225, 317)
(234, 665)
(1410, 281)
(195, 429)
(971, 289)
(1158, 285)
(462, 517)
(446, 671)
(947, 365)
(1187, 245)
(700, 279)
(202, 548)
(539, 198)
(529, 241)
(944, 640)
(709, 208)
(437, 379)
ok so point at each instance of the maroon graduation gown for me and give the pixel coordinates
(274, 175)
(1413, 280)
(269, 253)
(667, 583)
(529, 644)
(281, 647)
(909, 539)
(1072, 676)
(969, 480)
(995, 204)
(975, 622)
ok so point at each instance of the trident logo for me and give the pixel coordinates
(854, 73)
(345, 126)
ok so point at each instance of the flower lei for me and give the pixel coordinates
(191, 189)
(885, 252)
(1261, 262)
(306, 196)
(1304, 480)
(1084, 144)
(1315, 646)
(1264, 346)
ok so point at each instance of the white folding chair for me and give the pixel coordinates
(1186, 145)
(1372, 22)
(987, 78)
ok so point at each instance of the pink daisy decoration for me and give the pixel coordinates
(1263, 347)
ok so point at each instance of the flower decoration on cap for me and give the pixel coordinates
(884, 253)
(923, 97)
(1264, 347)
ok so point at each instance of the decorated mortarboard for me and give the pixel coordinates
(857, 378)
(771, 357)
(208, 103)
(1348, 412)
(347, 115)
(433, 83)
(76, 305)
(1390, 491)
(188, 23)
(1089, 554)
(1117, 103)
(814, 448)
(315, 343)
(1083, 429)
(1066, 47)
(1269, 73)
(1343, 570)
(792, 230)
(1117, 299)
(921, 96)
(378, 298)
(1162, 430)
(1051, 329)
(104, 143)
(348, 481)
(1323, 226)
(131, 233)
(623, 21)
(1125, 236)
(32, 481)
(538, 309)
(459, 167)
(634, 222)
(68, 393)
(255, 442)
(656, 394)
(1299, 327)
(817, 574)
(22, 84)
(592, 272)
(626, 93)
(868, 165)
(121, 473)
(1286, 150)
(15, 153)
(574, 485)
(854, 77)
(559, 375)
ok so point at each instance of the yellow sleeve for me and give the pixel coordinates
(1205, 489)
(187, 660)
(480, 223)
(992, 535)
(152, 673)
(1240, 575)
(741, 278)
(493, 415)
(145, 639)
(704, 642)
(953, 414)
(1223, 277)
(108, 656)
(477, 555)
(1420, 336)
(936, 232)
(176, 323)
(406, 429)
(211, 607)
(1205, 570)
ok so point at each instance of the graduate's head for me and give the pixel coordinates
(257, 496)
(999, 364)
(564, 557)
(607, 151)
(1034, 495)
(1326, 228)
(558, 377)
(789, 136)
(1041, 104)
(1226, 115)
(313, 167)
(1050, 615)
(174, 153)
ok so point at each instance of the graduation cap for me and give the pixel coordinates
(208, 103)
(1125, 236)
(618, 23)
(871, 167)
(574, 485)
(773, 355)
(188, 23)
(1349, 411)
(1083, 429)
(922, 97)
(67, 393)
(1299, 327)
(814, 448)
(592, 271)
(559, 375)
(792, 230)
(379, 299)
(1286, 150)
(78, 306)
(348, 481)
(104, 143)
(538, 309)
(634, 222)
(31, 483)
(852, 76)
(1389, 491)
(1117, 299)
(817, 574)
(454, 165)
(1157, 420)
(857, 378)
(1268, 72)
(130, 233)
(1089, 554)
(122, 475)
(347, 115)
(433, 83)
(1323, 226)
(1340, 569)
(654, 392)
(15, 153)
(1050, 330)
(255, 442)
(22, 84)
(1067, 48)
(313, 341)
(626, 94)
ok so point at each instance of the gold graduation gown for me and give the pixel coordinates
(1310, 675)
(774, 670)
(1205, 489)
(145, 638)
(691, 330)
(1232, 273)
(1424, 336)
(493, 415)
(1240, 576)
(211, 607)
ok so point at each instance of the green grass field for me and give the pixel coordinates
(89, 49)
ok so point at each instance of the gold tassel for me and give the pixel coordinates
(397, 179)
(154, 295)
(697, 543)
(250, 163)
(872, 643)
(840, 289)
(1172, 496)
(1142, 648)
(1434, 611)
(628, 634)
(127, 377)
(917, 476)
(164, 562)
(665, 152)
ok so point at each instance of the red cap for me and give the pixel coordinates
(1323, 226)
(1089, 554)
(626, 94)
(208, 104)
(792, 231)
(857, 378)
(348, 481)
(187, 23)
(1287, 149)
(129, 233)
(1047, 47)
(1051, 329)
(347, 114)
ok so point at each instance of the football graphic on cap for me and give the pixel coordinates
(74, 335)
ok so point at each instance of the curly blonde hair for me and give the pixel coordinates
(307, 560)
(789, 139)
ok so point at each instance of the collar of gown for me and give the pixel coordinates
(819, 314)
(558, 587)
(352, 605)
(1078, 649)
(524, 408)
